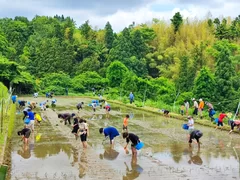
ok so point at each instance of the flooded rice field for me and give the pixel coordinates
(54, 153)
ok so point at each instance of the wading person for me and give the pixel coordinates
(75, 127)
(38, 118)
(25, 133)
(233, 124)
(25, 112)
(32, 119)
(125, 123)
(220, 120)
(134, 141)
(108, 109)
(196, 134)
(211, 111)
(190, 125)
(110, 132)
(33, 104)
(66, 117)
(94, 106)
(79, 106)
(84, 132)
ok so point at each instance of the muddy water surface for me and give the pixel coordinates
(54, 153)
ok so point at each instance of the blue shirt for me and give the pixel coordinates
(31, 115)
(112, 132)
(131, 96)
(14, 98)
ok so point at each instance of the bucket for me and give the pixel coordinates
(139, 146)
(216, 120)
(185, 126)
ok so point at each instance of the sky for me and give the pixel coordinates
(120, 13)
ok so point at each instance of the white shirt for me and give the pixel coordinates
(191, 124)
(195, 104)
(187, 105)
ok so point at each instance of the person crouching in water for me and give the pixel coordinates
(80, 106)
(75, 127)
(25, 133)
(38, 118)
(134, 140)
(66, 117)
(196, 134)
(233, 124)
(83, 131)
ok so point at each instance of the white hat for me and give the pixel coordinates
(193, 99)
(200, 99)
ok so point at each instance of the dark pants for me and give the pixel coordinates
(68, 119)
(25, 114)
(131, 101)
(195, 112)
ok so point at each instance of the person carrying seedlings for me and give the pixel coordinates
(131, 97)
(83, 131)
(134, 141)
(186, 104)
(80, 106)
(196, 134)
(25, 133)
(110, 132)
(66, 117)
(233, 124)
(125, 123)
(38, 118)
(43, 105)
(25, 112)
(53, 104)
(33, 104)
(220, 120)
(200, 107)
(75, 127)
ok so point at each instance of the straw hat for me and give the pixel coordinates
(200, 100)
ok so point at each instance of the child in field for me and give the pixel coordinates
(196, 134)
(107, 108)
(25, 133)
(75, 127)
(134, 140)
(220, 120)
(25, 112)
(94, 106)
(33, 104)
(182, 109)
(125, 122)
(38, 118)
(166, 112)
(79, 106)
(84, 132)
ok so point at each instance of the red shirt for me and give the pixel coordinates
(221, 117)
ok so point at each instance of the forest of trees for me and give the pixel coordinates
(156, 61)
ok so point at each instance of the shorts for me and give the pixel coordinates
(27, 134)
(31, 124)
(220, 123)
(83, 137)
(75, 129)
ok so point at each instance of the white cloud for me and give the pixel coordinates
(119, 13)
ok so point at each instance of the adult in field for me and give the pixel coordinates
(211, 111)
(186, 104)
(233, 124)
(110, 132)
(196, 134)
(66, 117)
(131, 97)
(195, 106)
(200, 107)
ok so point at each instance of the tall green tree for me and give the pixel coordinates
(115, 73)
(204, 85)
(224, 73)
(183, 82)
(109, 36)
(140, 48)
(177, 20)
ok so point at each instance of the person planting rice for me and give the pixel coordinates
(220, 120)
(125, 123)
(134, 140)
(233, 124)
(33, 104)
(108, 109)
(25, 112)
(25, 133)
(31, 118)
(196, 134)
(79, 106)
(66, 117)
(110, 132)
(38, 118)
(166, 112)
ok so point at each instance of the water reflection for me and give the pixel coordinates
(176, 151)
(109, 154)
(24, 151)
(194, 158)
(132, 173)
(83, 164)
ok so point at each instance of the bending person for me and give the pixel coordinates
(233, 124)
(110, 132)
